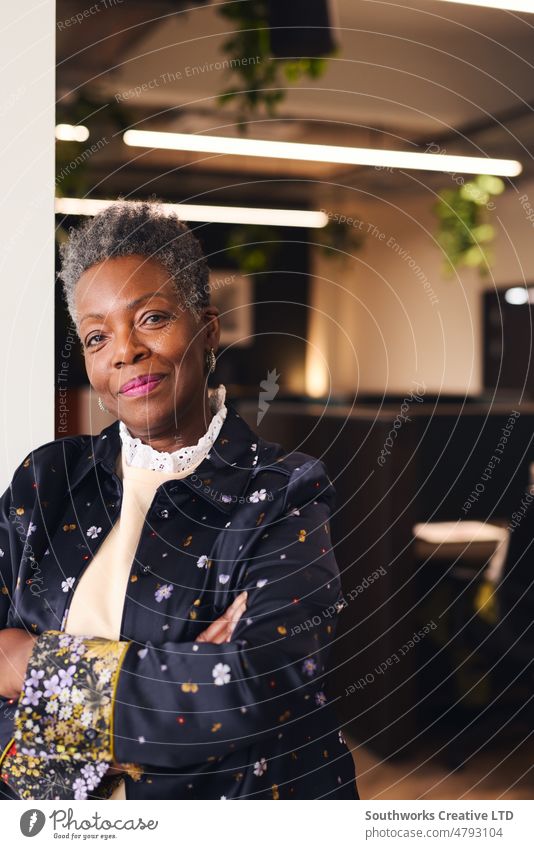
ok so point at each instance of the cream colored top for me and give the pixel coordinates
(98, 600)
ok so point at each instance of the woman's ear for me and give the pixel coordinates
(210, 317)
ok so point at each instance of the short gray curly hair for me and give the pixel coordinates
(137, 227)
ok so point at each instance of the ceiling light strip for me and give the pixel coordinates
(505, 5)
(323, 153)
(212, 214)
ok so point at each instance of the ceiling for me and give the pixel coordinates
(405, 76)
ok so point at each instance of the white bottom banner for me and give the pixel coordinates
(202, 824)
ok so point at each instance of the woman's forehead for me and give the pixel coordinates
(118, 281)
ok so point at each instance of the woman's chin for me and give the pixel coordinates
(142, 414)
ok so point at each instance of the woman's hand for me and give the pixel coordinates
(15, 649)
(115, 769)
(221, 630)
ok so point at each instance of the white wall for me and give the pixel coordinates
(27, 225)
(379, 323)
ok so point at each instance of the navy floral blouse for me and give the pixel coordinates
(248, 719)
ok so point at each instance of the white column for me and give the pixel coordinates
(27, 51)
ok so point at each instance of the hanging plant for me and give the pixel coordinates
(340, 240)
(252, 247)
(261, 78)
(465, 234)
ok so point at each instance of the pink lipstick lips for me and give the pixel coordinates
(141, 385)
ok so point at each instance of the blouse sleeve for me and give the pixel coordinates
(13, 539)
(6, 568)
(11, 550)
(179, 704)
(63, 742)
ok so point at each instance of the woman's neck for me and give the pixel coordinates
(184, 432)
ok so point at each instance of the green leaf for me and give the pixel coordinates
(491, 185)
(252, 38)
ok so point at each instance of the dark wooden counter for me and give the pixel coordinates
(436, 460)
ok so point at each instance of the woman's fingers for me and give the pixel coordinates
(238, 601)
(230, 615)
(115, 769)
(221, 630)
(214, 630)
(16, 646)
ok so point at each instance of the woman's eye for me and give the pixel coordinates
(157, 316)
(153, 318)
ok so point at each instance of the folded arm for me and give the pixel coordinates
(179, 704)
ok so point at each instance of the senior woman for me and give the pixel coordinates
(168, 587)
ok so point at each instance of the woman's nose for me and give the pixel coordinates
(128, 348)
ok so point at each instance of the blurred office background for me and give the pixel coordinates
(384, 312)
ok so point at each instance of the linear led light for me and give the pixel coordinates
(213, 214)
(70, 132)
(323, 153)
(510, 5)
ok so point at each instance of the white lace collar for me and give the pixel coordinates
(139, 454)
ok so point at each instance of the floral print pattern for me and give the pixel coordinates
(34, 777)
(309, 667)
(260, 767)
(258, 495)
(221, 674)
(63, 743)
(163, 592)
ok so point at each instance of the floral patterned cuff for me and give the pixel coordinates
(63, 740)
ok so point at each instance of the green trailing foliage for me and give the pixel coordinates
(260, 85)
(253, 247)
(465, 233)
(339, 241)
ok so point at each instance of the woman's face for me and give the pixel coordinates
(131, 326)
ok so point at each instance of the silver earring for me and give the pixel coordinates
(211, 360)
(101, 405)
